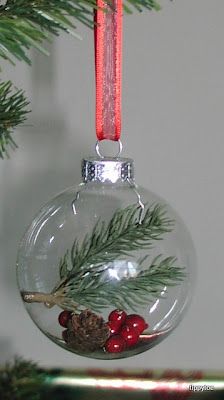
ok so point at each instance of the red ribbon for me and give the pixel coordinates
(108, 37)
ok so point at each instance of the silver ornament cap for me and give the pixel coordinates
(107, 169)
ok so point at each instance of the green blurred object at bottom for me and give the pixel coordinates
(25, 381)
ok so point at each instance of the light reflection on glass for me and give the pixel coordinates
(41, 226)
(55, 211)
(121, 269)
(51, 239)
(154, 306)
(171, 309)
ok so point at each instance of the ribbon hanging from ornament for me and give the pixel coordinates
(108, 38)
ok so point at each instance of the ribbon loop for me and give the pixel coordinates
(108, 38)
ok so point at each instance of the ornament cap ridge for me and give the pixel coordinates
(107, 169)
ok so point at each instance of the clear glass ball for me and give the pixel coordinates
(48, 243)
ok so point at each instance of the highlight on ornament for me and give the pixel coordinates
(107, 290)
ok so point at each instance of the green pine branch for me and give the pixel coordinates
(21, 380)
(140, 5)
(26, 24)
(84, 271)
(93, 292)
(121, 236)
(13, 111)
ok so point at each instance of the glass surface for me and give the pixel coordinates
(52, 234)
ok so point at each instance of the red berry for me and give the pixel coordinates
(64, 317)
(130, 335)
(137, 322)
(118, 316)
(115, 344)
(114, 327)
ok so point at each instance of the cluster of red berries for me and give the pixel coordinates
(124, 330)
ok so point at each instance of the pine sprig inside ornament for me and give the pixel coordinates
(95, 293)
(84, 282)
(122, 235)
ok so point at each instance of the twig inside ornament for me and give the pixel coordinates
(48, 299)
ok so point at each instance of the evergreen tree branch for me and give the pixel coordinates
(140, 5)
(25, 24)
(22, 380)
(13, 111)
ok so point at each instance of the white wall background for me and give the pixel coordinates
(173, 116)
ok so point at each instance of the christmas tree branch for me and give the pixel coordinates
(21, 380)
(25, 24)
(140, 5)
(85, 279)
(13, 111)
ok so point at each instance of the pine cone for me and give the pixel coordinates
(87, 332)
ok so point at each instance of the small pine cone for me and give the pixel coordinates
(87, 332)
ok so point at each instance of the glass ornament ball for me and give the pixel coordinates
(106, 269)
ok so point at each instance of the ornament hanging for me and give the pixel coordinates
(105, 269)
